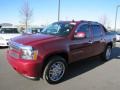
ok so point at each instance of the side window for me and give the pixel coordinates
(84, 28)
(96, 29)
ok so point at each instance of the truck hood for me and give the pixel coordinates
(34, 38)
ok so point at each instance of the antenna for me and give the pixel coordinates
(73, 20)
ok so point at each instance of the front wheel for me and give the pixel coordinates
(55, 70)
(106, 55)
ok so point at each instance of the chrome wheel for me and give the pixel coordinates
(56, 71)
(108, 53)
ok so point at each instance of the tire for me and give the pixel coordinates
(106, 55)
(55, 70)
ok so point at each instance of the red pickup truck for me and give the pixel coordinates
(48, 54)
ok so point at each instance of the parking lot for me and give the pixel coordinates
(92, 74)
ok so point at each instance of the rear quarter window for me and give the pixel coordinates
(96, 30)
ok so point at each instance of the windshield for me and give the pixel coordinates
(59, 28)
(9, 30)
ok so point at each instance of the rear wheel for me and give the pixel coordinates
(55, 70)
(106, 55)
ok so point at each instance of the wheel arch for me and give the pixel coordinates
(62, 54)
(110, 44)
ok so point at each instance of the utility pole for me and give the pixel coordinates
(59, 10)
(117, 7)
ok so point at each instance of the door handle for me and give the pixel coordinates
(102, 40)
(90, 42)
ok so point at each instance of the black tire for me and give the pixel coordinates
(106, 55)
(56, 63)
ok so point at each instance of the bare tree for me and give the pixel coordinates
(26, 14)
(105, 21)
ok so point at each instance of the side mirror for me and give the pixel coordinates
(80, 35)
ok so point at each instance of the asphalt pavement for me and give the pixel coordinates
(90, 74)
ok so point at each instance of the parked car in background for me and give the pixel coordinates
(6, 34)
(116, 35)
(33, 30)
(48, 54)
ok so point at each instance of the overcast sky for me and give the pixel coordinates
(45, 11)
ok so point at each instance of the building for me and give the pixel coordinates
(6, 25)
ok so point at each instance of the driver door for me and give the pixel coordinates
(81, 48)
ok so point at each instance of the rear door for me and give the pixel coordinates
(98, 39)
(81, 48)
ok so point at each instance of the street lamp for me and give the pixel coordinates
(116, 15)
(58, 10)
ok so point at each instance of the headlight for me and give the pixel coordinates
(1, 38)
(28, 53)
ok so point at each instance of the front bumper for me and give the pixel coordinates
(30, 69)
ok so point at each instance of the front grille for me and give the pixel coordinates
(14, 54)
(14, 45)
(14, 49)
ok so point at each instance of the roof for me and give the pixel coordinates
(93, 22)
